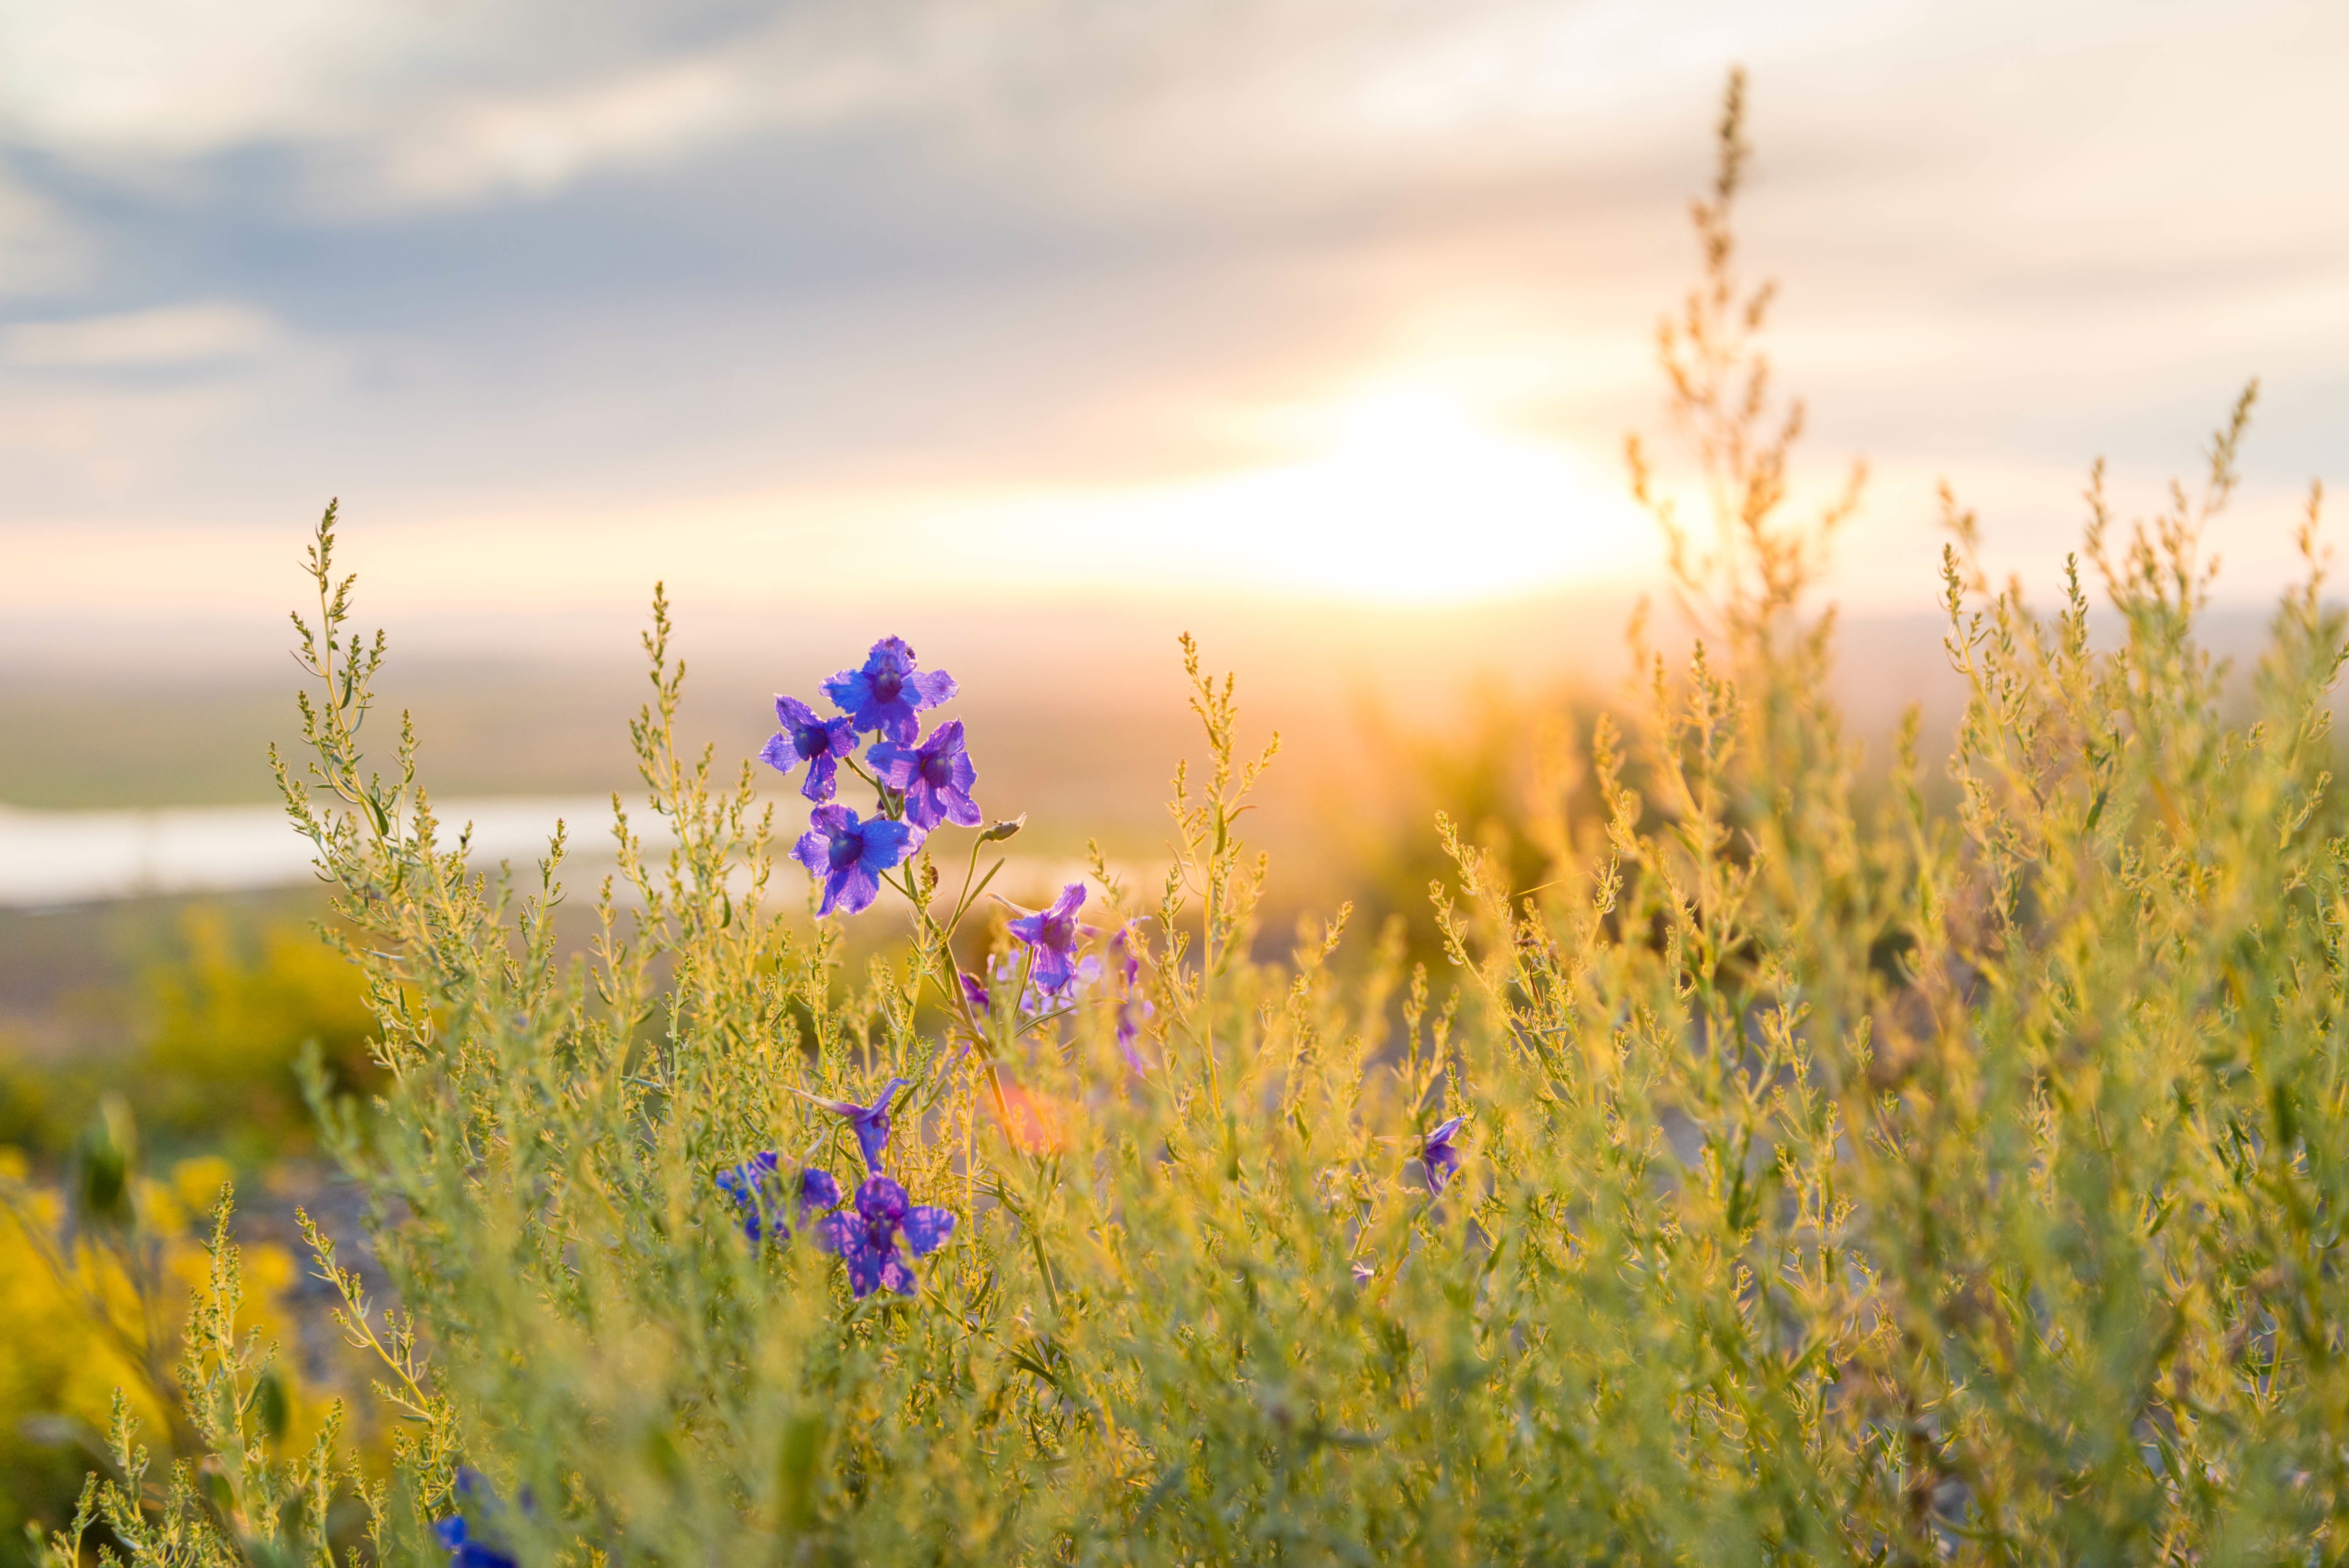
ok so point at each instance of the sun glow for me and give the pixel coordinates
(1410, 497)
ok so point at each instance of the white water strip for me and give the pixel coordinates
(49, 858)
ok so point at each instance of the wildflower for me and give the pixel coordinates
(867, 1239)
(1437, 1156)
(869, 1122)
(1132, 1009)
(465, 1549)
(808, 737)
(756, 1187)
(1052, 936)
(1365, 1274)
(849, 855)
(935, 777)
(888, 691)
(973, 991)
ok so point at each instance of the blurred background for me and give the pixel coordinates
(1037, 332)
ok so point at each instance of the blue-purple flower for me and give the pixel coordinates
(935, 777)
(887, 693)
(1051, 935)
(866, 1239)
(808, 737)
(974, 991)
(869, 1122)
(1437, 1156)
(465, 1548)
(1131, 1008)
(849, 855)
(757, 1187)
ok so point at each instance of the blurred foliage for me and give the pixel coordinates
(95, 1272)
(1506, 769)
(95, 1258)
(228, 1016)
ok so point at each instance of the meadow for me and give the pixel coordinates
(1697, 1144)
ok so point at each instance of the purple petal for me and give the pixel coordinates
(795, 715)
(851, 889)
(1443, 1134)
(881, 1201)
(895, 1274)
(822, 779)
(927, 1227)
(961, 809)
(818, 1189)
(922, 806)
(780, 753)
(893, 764)
(864, 1269)
(841, 1233)
(974, 993)
(1071, 899)
(1053, 971)
(930, 687)
(894, 720)
(849, 690)
(832, 822)
(887, 842)
(815, 851)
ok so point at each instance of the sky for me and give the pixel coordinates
(828, 308)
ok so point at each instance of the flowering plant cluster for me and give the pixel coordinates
(920, 786)
(866, 1240)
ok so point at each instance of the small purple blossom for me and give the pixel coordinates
(887, 693)
(867, 1239)
(1132, 1009)
(808, 737)
(849, 855)
(1365, 1274)
(465, 1549)
(974, 992)
(935, 777)
(1052, 936)
(1437, 1155)
(869, 1122)
(756, 1187)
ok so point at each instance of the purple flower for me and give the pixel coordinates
(936, 776)
(1132, 1009)
(808, 737)
(465, 1549)
(1437, 1155)
(1365, 1274)
(866, 1240)
(849, 855)
(973, 991)
(887, 692)
(870, 1122)
(756, 1187)
(1053, 934)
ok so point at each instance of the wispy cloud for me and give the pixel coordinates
(171, 337)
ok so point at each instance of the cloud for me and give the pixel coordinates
(169, 336)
